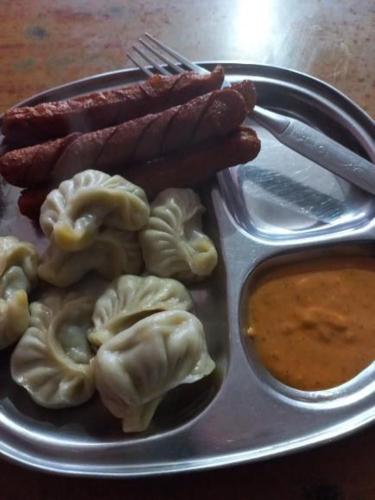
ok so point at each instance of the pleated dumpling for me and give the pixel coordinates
(112, 253)
(53, 359)
(72, 214)
(18, 273)
(136, 368)
(173, 244)
(130, 298)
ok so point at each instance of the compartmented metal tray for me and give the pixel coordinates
(279, 208)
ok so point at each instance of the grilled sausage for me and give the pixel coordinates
(31, 200)
(185, 168)
(211, 115)
(33, 124)
(196, 165)
(247, 89)
(31, 166)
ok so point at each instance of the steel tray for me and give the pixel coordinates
(279, 208)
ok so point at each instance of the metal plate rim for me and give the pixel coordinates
(203, 464)
(224, 62)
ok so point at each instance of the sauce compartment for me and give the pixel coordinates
(283, 353)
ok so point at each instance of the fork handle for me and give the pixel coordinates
(319, 148)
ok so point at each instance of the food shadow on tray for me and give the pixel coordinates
(92, 422)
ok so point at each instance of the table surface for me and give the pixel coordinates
(45, 43)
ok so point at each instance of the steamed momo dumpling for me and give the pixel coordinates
(72, 215)
(112, 253)
(53, 360)
(173, 244)
(130, 298)
(135, 369)
(18, 269)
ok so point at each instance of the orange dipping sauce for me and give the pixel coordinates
(313, 322)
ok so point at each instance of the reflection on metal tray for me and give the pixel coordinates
(280, 207)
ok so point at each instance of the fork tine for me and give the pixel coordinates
(150, 60)
(176, 55)
(162, 57)
(140, 66)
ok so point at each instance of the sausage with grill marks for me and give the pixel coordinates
(31, 166)
(186, 168)
(33, 124)
(31, 200)
(195, 165)
(205, 117)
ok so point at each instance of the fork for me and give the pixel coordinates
(154, 56)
